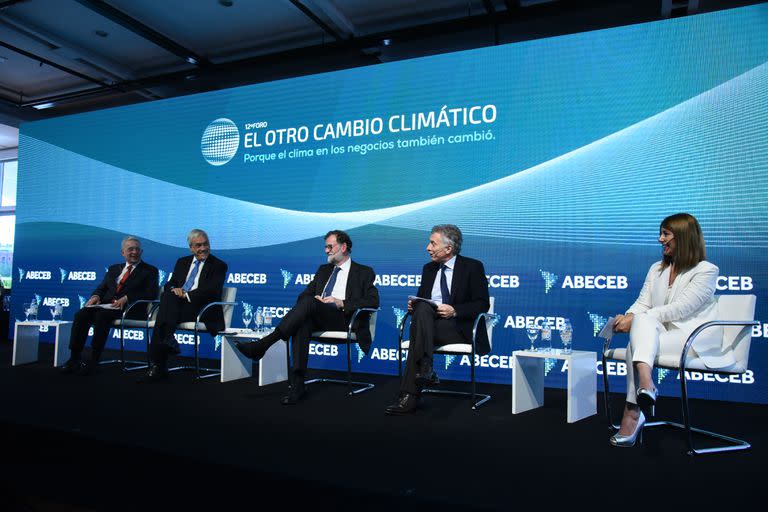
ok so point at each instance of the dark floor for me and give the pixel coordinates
(105, 443)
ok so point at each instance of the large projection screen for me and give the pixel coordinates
(557, 157)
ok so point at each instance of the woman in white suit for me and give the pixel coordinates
(677, 297)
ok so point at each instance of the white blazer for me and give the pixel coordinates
(691, 303)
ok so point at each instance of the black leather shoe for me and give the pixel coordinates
(71, 366)
(426, 376)
(255, 350)
(298, 392)
(155, 374)
(406, 404)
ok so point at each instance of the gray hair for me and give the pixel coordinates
(129, 238)
(451, 236)
(196, 233)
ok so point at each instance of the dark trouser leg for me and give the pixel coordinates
(171, 312)
(102, 322)
(426, 327)
(79, 333)
(309, 314)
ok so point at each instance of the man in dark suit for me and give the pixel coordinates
(327, 303)
(459, 287)
(124, 283)
(197, 280)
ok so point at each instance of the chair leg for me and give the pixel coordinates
(606, 400)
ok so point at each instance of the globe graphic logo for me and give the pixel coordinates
(220, 141)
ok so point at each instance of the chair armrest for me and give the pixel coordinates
(140, 301)
(706, 325)
(402, 328)
(211, 304)
(477, 322)
(354, 317)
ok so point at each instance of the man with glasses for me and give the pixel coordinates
(339, 287)
(124, 283)
(197, 280)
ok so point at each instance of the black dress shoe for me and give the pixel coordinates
(298, 392)
(155, 374)
(406, 404)
(255, 350)
(71, 366)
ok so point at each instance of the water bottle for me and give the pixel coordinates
(546, 337)
(566, 335)
(259, 319)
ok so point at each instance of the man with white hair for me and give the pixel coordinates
(124, 283)
(197, 280)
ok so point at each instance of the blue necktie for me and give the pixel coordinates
(444, 286)
(191, 279)
(331, 282)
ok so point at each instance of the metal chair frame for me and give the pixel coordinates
(732, 443)
(138, 365)
(362, 386)
(473, 394)
(209, 372)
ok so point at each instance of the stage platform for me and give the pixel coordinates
(104, 442)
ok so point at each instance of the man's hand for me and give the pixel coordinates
(93, 300)
(331, 300)
(623, 323)
(178, 292)
(445, 311)
(120, 303)
(410, 306)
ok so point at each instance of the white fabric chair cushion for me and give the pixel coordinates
(461, 348)
(339, 335)
(190, 326)
(672, 362)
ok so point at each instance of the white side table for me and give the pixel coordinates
(234, 365)
(26, 341)
(528, 381)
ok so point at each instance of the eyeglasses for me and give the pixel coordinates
(329, 247)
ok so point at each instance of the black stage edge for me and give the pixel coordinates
(104, 442)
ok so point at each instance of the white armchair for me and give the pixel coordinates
(737, 313)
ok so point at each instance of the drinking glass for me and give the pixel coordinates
(533, 333)
(247, 317)
(546, 337)
(33, 311)
(27, 311)
(267, 319)
(56, 311)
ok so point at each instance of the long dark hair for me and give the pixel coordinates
(689, 242)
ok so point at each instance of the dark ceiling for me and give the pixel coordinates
(66, 56)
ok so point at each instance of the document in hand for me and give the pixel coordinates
(428, 301)
(607, 331)
(108, 305)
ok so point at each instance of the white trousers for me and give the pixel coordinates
(647, 337)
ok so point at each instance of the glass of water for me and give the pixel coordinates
(533, 333)
(267, 319)
(247, 317)
(28, 310)
(56, 311)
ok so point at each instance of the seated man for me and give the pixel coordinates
(327, 304)
(459, 286)
(197, 280)
(123, 284)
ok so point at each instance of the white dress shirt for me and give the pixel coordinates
(437, 295)
(340, 287)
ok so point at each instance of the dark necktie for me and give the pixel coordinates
(328, 290)
(191, 279)
(444, 286)
(124, 278)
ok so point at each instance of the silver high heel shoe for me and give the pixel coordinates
(646, 400)
(629, 441)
